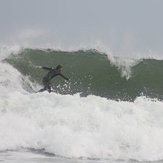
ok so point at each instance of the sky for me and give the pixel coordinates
(124, 27)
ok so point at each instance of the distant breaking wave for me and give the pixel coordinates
(93, 72)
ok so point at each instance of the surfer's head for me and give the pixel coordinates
(59, 67)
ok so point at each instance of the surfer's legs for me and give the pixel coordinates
(46, 86)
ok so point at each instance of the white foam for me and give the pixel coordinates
(10, 78)
(74, 126)
(6, 50)
(124, 65)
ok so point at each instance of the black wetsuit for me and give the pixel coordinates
(50, 75)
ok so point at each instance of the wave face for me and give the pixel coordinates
(91, 72)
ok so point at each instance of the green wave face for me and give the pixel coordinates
(91, 72)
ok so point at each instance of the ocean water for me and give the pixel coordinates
(109, 111)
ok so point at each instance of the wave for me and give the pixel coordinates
(93, 72)
(95, 126)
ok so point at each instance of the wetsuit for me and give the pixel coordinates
(50, 75)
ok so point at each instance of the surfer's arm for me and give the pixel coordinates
(46, 68)
(63, 77)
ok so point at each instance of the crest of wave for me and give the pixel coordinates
(6, 51)
(124, 65)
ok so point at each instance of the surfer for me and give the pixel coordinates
(52, 72)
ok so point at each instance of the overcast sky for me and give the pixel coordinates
(123, 26)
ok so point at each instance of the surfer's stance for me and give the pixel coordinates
(52, 72)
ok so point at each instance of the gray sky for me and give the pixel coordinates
(125, 27)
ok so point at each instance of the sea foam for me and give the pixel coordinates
(89, 127)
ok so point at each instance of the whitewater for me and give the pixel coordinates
(60, 127)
